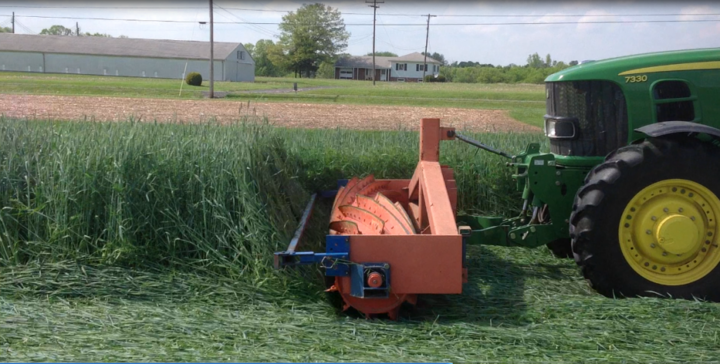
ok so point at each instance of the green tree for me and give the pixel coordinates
(382, 54)
(249, 47)
(57, 30)
(260, 52)
(315, 33)
(98, 35)
(326, 70)
(534, 61)
(436, 56)
(5, 30)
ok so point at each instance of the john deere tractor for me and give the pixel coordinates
(629, 189)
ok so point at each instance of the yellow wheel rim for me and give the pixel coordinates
(668, 232)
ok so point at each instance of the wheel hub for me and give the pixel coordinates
(677, 234)
(668, 232)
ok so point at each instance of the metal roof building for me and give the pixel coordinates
(131, 57)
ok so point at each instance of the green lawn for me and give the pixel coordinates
(524, 102)
(519, 306)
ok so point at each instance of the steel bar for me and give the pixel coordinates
(303, 223)
(476, 143)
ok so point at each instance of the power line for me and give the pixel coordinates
(21, 25)
(394, 24)
(354, 13)
(255, 27)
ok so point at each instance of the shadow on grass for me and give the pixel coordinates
(493, 294)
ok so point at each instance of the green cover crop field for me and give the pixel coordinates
(153, 242)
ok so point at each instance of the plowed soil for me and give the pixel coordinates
(296, 115)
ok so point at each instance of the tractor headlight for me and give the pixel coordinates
(558, 127)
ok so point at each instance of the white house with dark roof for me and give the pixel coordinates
(152, 58)
(408, 68)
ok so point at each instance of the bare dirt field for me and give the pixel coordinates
(296, 115)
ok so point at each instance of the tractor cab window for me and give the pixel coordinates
(673, 101)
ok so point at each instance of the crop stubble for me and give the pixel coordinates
(296, 115)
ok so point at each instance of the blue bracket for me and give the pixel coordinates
(337, 248)
(336, 244)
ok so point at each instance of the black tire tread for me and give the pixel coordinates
(623, 169)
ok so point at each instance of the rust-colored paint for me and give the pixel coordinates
(413, 185)
(430, 140)
(439, 210)
(419, 264)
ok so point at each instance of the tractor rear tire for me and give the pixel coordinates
(561, 248)
(631, 220)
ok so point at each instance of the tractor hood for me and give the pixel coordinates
(610, 69)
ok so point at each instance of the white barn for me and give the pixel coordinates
(152, 58)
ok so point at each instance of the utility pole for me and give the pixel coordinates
(427, 37)
(13, 23)
(375, 7)
(77, 29)
(212, 56)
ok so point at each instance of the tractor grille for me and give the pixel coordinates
(600, 109)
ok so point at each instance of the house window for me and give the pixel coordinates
(420, 67)
(240, 55)
(673, 101)
(400, 66)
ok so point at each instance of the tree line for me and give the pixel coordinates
(534, 71)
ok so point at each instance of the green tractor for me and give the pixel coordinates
(630, 188)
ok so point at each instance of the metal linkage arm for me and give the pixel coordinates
(476, 143)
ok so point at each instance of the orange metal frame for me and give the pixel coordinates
(432, 262)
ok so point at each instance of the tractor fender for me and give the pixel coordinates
(677, 127)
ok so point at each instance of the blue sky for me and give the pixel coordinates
(491, 42)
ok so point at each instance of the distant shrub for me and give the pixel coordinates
(193, 79)
(432, 78)
(326, 70)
